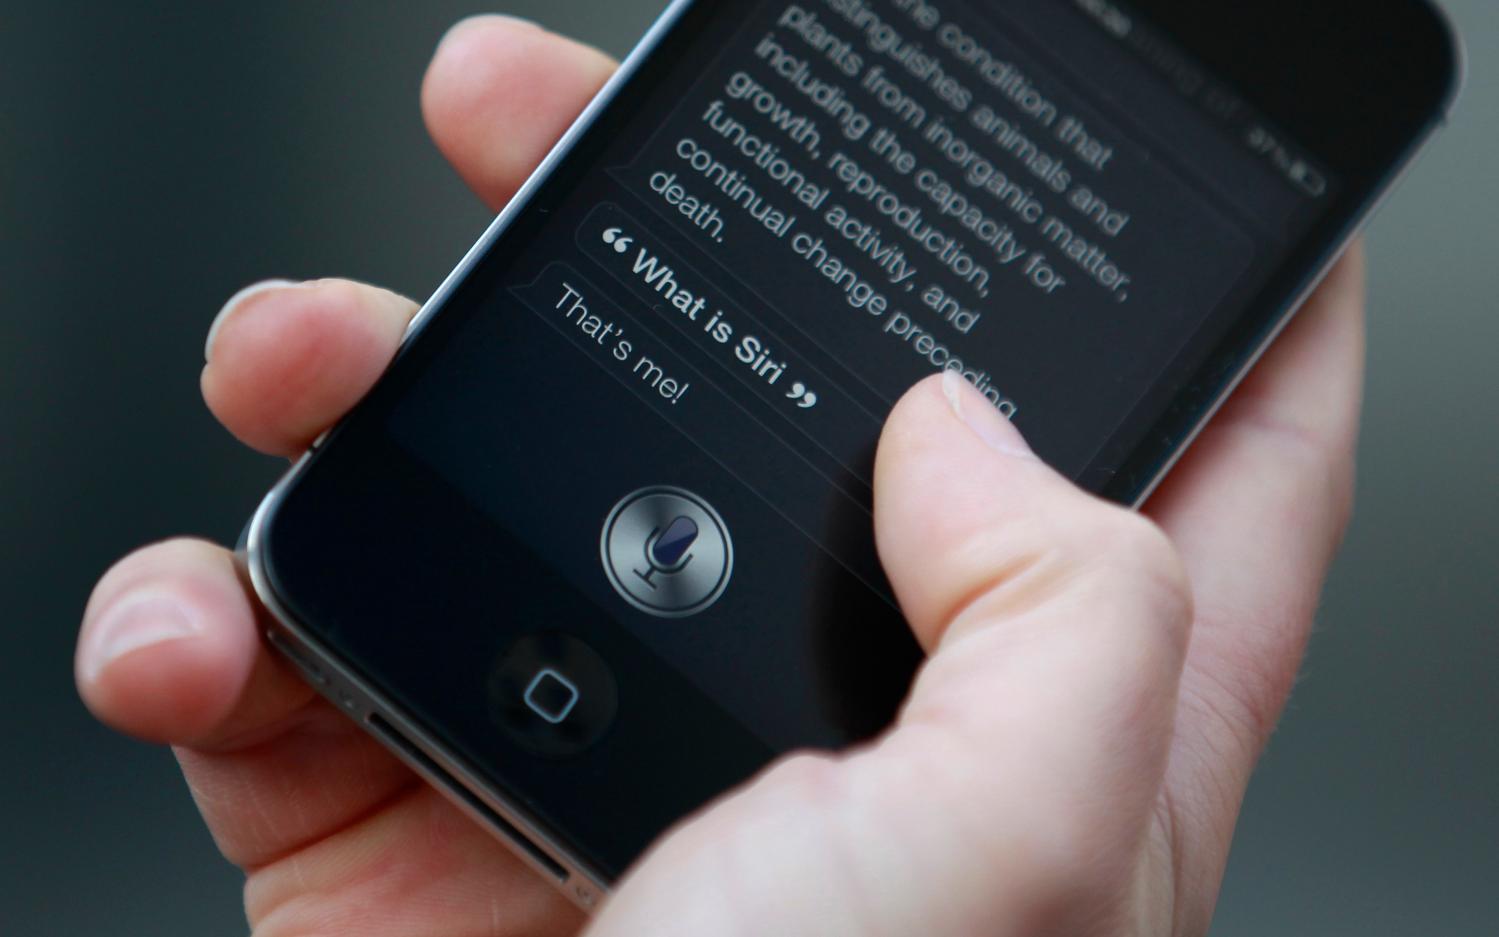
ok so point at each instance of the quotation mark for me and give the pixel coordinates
(617, 237)
(805, 398)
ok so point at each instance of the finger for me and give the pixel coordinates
(415, 869)
(1260, 504)
(328, 824)
(1016, 792)
(170, 652)
(1257, 508)
(500, 92)
(1057, 624)
(304, 362)
(287, 360)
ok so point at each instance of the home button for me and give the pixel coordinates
(552, 694)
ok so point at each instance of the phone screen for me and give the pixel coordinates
(669, 378)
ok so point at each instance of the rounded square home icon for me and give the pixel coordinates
(551, 696)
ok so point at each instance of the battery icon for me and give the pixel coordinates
(1307, 179)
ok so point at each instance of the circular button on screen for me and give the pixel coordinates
(667, 552)
(552, 694)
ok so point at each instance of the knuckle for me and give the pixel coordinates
(808, 779)
(1138, 574)
(1116, 558)
(1005, 571)
(1132, 551)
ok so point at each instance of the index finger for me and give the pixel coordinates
(1257, 509)
(500, 92)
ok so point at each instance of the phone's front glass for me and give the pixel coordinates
(643, 426)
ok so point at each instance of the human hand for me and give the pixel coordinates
(1071, 760)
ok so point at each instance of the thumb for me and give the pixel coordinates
(1057, 625)
(1015, 793)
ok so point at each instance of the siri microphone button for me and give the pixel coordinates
(666, 551)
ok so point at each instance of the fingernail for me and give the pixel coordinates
(136, 621)
(981, 416)
(235, 301)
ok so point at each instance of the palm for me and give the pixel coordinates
(336, 836)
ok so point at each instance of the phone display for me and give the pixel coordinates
(602, 537)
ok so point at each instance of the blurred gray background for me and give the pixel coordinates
(156, 157)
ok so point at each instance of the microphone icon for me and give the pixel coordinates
(666, 551)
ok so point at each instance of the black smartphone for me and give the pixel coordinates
(598, 547)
